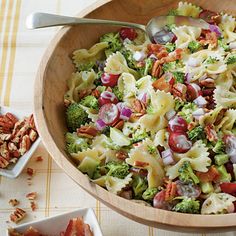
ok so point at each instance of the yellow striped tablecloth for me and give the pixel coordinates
(20, 54)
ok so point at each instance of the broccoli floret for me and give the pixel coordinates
(186, 173)
(90, 101)
(221, 159)
(98, 81)
(219, 147)
(139, 185)
(170, 27)
(224, 175)
(170, 47)
(196, 133)
(75, 117)
(179, 76)
(150, 109)
(85, 67)
(149, 194)
(173, 12)
(75, 144)
(172, 66)
(119, 170)
(118, 93)
(139, 135)
(152, 149)
(114, 42)
(187, 111)
(231, 59)
(193, 46)
(101, 88)
(146, 69)
(129, 58)
(178, 104)
(188, 205)
(223, 45)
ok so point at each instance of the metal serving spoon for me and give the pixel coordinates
(154, 28)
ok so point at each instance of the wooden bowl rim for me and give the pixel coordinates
(166, 219)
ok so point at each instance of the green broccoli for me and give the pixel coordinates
(193, 46)
(152, 149)
(188, 205)
(223, 45)
(139, 135)
(173, 12)
(149, 194)
(224, 175)
(118, 93)
(179, 76)
(231, 59)
(114, 42)
(150, 109)
(85, 67)
(74, 143)
(196, 133)
(101, 88)
(170, 27)
(170, 47)
(187, 111)
(178, 104)
(172, 66)
(219, 147)
(129, 58)
(139, 185)
(186, 173)
(221, 159)
(90, 101)
(146, 69)
(116, 169)
(75, 117)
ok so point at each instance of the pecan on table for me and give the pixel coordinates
(17, 215)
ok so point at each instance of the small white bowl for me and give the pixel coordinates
(14, 170)
(52, 226)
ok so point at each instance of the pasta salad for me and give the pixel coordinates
(154, 122)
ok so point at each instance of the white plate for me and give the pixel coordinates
(14, 170)
(52, 226)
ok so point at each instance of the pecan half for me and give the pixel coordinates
(119, 124)
(30, 171)
(32, 195)
(87, 131)
(33, 135)
(3, 162)
(25, 144)
(14, 202)
(138, 107)
(121, 155)
(210, 133)
(179, 90)
(171, 190)
(17, 215)
(157, 69)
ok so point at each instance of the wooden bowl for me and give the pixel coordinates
(56, 68)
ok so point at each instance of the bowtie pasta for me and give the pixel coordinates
(154, 122)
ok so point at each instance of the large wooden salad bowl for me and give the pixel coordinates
(55, 69)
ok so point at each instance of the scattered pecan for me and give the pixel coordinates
(87, 131)
(179, 90)
(118, 124)
(30, 171)
(17, 215)
(39, 158)
(171, 189)
(141, 164)
(96, 93)
(11, 146)
(208, 83)
(138, 107)
(33, 205)
(210, 38)
(5, 136)
(33, 135)
(157, 69)
(32, 195)
(121, 155)
(14, 202)
(25, 144)
(210, 133)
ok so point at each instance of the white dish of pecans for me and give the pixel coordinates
(18, 141)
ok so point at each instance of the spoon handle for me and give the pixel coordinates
(42, 20)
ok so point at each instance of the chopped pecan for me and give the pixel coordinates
(4, 152)
(21, 132)
(25, 144)
(121, 155)
(118, 124)
(210, 133)
(17, 126)
(179, 90)
(30, 171)
(32, 195)
(11, 146)
(3, 162)
(5, 136)
(87, 131)
(16, 154)
(171, 190)
(14, 202)
(210, 38)
(141, 164)
(157, 69)
(208, 82)
(33, 135)
(39, 158)
(139, 107)
(33, 206)
(11, 117)
(96, 93)
(17, 215)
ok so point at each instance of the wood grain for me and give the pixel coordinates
(56, 68)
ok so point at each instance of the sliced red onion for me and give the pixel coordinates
(127, 41)
(125, 113)
(230, 143)
(232, 45)
(198, 113)
(139, 56)
(100, 124)
(188, 78)
(108, 95)
(216, 29)
(200, 101)
(170, 114)
(163, 37)
(120, 106)
(167, 157)
(194, 62)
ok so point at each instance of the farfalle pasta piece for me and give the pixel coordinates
(144, 85)
(210, 117)
(229, 121)
(130, 128)
(115, 185)
(161, 138)
(227, 26)
(84, 56)
(186, 34)
(217, 203)
(78, 82)
(224, 97)
(188, 9)
(197, 156)
(127, 85)
(92, 114)
(140, 157)
(161, 103)
(99, 143)
(116, 64)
